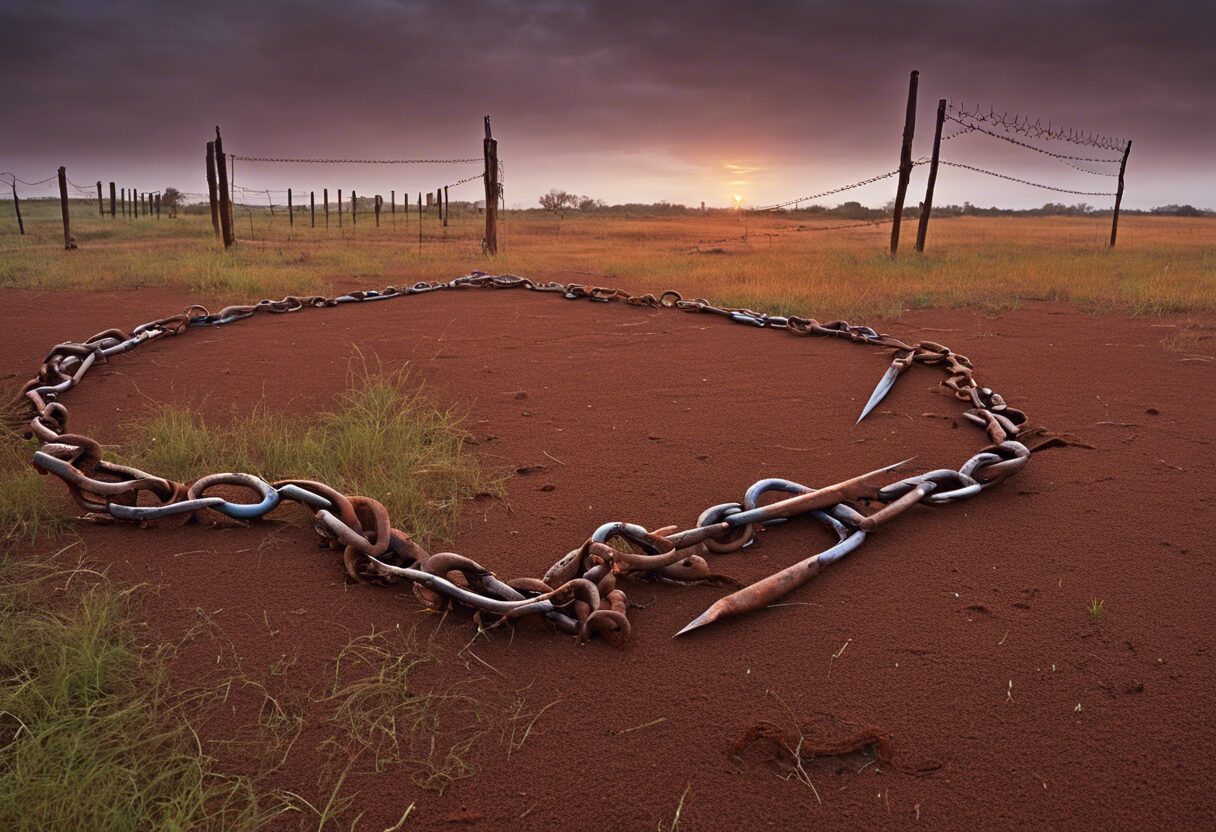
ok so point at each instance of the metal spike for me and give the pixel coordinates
(884, 386)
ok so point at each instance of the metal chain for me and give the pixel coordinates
(580, 594)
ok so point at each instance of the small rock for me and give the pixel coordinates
(547, 488)
(522, 394)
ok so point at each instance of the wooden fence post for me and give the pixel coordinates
(905, 160)
(325, 194)
(392, 206)
(1114, 221)
(69, 242)
(339, 207)
(123, 202)
(225, 196)
(354, 208)
(312, 208)
(420, 223)
(158, 204)
(926, 207)
(143, 204)
(446, 206)
(430, 199)
(490, 150)
(291, 218)
(379, 204)
(113, 201)
(101, 205)
(212, 194)
(17, 208)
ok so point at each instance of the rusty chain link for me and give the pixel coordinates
(580, 594)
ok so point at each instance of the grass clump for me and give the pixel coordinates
(26, 513)
(385, 438)
(1097, 609)
(90, 737)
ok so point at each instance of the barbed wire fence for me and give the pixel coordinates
(126, 202)
(1015, 130)
(229, 200)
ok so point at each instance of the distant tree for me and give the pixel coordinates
(586, 203)
(171, 198)
(558, 202)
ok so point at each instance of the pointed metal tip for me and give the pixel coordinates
(701, 620)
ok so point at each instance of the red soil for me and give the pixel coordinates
(969, 641)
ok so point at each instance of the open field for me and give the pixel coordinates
(763, 261)
(1036, 657)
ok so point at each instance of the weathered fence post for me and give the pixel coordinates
(420, 223)
(312, 207)
(905, 160)
(926, 207)
(225, 196)
(439, 204)
(392, 206)
(379, 204)
(446, 206)
(339, 207)
(354, 208)
(430, 199)
(157, 204)
(17, 208)
(113, 201)
(101, 205)
(325, 194)
(211, 190)
(1114, 221)
(123, 201)
(291, 218)
(68, 242)
(490, 150)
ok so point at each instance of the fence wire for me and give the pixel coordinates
(1025, 181)
(1022, 125)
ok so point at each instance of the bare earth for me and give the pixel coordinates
(968, 634)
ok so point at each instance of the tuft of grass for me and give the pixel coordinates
(1096, 609)
(27, 510)
(90, 736)
(389, 705)
(385, 438)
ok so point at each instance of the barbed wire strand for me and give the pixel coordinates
(1025, 181)
(284, 160)
(1022, 125)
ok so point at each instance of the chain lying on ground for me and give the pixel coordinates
(580, 594)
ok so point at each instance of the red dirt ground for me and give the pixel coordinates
(967, 628)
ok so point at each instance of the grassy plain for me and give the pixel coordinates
(789, 263)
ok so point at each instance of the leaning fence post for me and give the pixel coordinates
(17, 208)
(68, 242)
(905, 160)
(221, 169)
(212, 195)
(490, 151)
(1114, 221)
(926, 207)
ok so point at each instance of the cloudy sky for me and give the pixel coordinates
(621, 100)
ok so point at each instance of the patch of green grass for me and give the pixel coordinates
(1097, 609)
(26, 510)
(90, 736)
(385, 438)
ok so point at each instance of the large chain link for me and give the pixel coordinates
(579, 594)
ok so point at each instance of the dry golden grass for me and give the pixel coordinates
(770, 262)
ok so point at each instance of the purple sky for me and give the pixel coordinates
(625, 101)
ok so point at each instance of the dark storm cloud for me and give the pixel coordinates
(770, 85)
